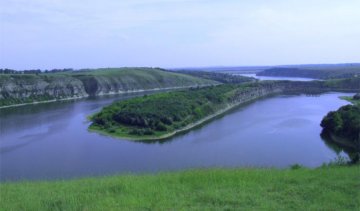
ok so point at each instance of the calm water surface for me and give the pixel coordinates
(51, 141)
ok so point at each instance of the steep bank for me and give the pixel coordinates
(28, 88)
(326, 188)
(19, 89)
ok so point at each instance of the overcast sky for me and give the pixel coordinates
(50, 34)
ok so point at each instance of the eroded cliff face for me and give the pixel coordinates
(256, 92)
(19, 89)
(29, 88)
(16, 89)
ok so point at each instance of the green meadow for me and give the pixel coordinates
(297, 188)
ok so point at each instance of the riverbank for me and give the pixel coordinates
(325, 188)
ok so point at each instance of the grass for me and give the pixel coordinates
(351, 100)
(325, 188)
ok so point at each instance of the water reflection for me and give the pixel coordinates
(339, 146)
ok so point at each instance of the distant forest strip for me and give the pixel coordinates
(319, 73)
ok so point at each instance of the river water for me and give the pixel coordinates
(51, 141)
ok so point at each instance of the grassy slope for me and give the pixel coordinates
(138, 73)
(327, 188)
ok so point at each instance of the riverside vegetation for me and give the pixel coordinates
(163, 115)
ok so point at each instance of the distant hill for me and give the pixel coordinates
(318, 72)
(258, 69)
(230, 69)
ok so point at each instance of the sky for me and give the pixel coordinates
(47, 34)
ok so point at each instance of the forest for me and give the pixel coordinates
(164, 112)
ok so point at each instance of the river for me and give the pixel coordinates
(51, 141)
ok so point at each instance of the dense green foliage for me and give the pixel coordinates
(326, 188)
(218, 76)
(345, 122)
(163, 112)
(320, 73)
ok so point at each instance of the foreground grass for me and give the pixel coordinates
(327, 188)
